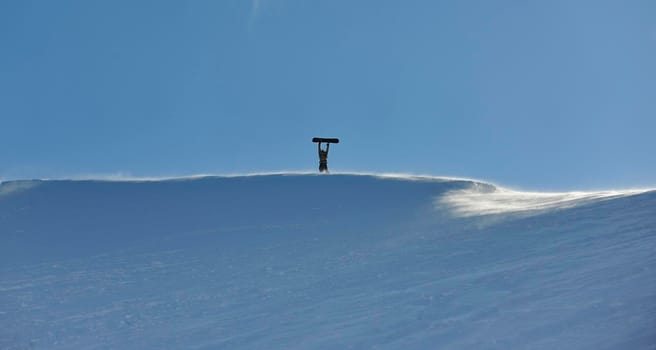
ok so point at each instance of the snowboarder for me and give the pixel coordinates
(323, 154)
(323, 157)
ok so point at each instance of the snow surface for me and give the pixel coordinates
(323, 262)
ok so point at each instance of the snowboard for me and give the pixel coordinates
(319, 139)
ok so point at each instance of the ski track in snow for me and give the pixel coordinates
(364, 273)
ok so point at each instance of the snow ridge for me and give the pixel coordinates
(346, 261)
(487, 200)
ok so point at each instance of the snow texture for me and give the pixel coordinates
(323, 262)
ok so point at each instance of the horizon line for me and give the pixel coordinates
(122, 177)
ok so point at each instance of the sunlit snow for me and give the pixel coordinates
(484, 200)
(344, 261)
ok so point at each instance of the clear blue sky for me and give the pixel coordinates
(531, 94)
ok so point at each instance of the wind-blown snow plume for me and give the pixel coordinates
(16, 186)
(483, 199)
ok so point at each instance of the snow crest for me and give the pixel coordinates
(482, 199)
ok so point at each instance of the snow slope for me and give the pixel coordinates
(323, 262)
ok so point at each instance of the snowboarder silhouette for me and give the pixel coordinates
(323, 153)
(323, 157)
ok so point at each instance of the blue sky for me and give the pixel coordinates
(529, 94)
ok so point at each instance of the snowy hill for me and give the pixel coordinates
(323, 262)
